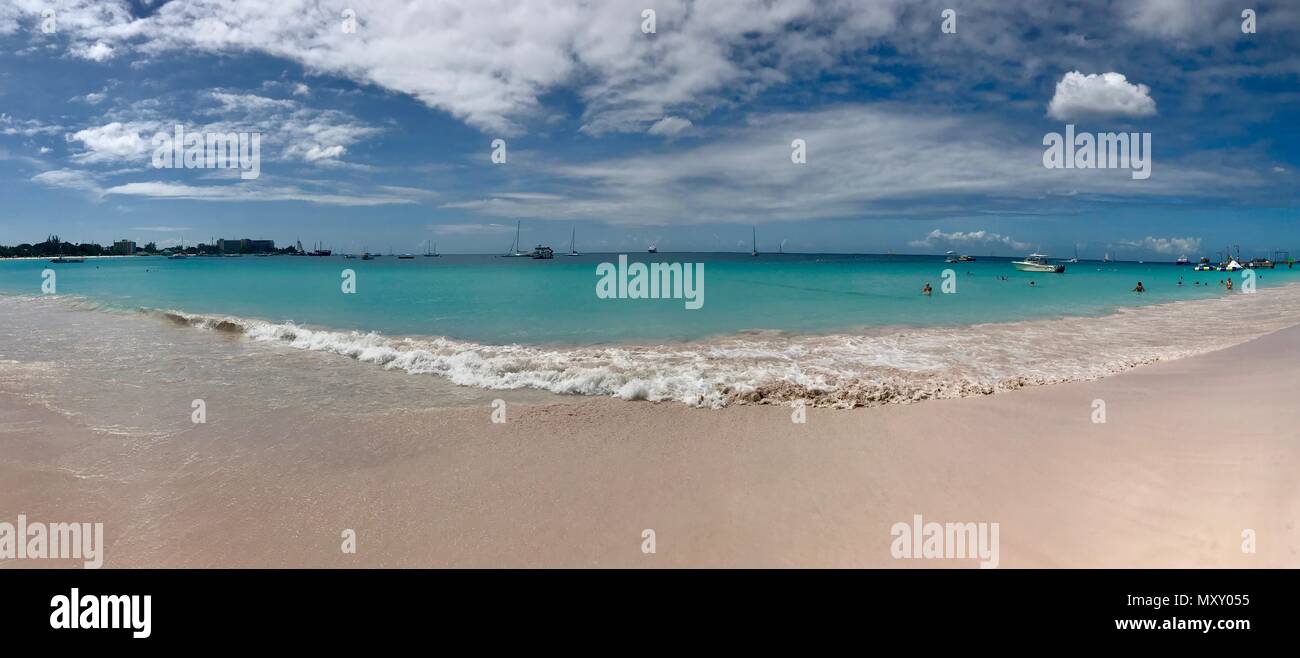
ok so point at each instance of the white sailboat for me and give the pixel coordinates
(514, 248)
(573, 241)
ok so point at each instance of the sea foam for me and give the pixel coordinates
(839, 370)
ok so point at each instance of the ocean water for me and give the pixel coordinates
(830, 329)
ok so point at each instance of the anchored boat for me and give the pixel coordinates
(1037, 263)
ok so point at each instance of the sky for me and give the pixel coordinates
(922, 130)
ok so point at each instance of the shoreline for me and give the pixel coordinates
(1194, 451)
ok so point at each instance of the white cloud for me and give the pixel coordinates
(1169, 246)
(242, 192)
(71, 179)
(1096, 95)
(670, 126)
(937, 238)
(114, 141)
(98, 51)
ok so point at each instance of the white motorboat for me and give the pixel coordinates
(1037, 263)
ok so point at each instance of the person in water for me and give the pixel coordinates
(1032, 284)
(1140, 287)
(926, 290)
(1229, 284)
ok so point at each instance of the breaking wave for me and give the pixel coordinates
(840, 370)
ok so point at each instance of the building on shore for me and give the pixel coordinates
(245, 246)
(124, 247)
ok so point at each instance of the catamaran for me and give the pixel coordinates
(1037, 263)
(1182, 260)
(514, 248)
(573, 238)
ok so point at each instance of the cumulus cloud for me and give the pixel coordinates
(1169, 246)
(1099, 95)
(937, 238)
(115, 141)
(97, 52)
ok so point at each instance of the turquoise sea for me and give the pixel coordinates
(838, 330)
(518, 300)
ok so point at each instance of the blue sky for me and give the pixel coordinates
(918, 141)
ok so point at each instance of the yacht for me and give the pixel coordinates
(1260, 264)
(573, 243)
(653, 249)
(1037, 263)
(514, 248)
(542, 253)
(1182, 260)
(953, 257)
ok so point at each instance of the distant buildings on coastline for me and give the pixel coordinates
(53, 247)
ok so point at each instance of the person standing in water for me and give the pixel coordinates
(1140, 287)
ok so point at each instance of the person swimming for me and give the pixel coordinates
(926, 290)
(1140, 287)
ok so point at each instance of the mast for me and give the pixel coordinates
(754, 252)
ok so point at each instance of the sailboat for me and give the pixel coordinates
(1106, 258)
(180, 255)
(573, 242)
(1076, 255)
(514, 248)
(431, 254)
(754, 252)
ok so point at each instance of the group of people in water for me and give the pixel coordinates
(1139, 288)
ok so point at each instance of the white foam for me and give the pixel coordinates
(836, 370)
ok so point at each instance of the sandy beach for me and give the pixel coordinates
(1193, 452)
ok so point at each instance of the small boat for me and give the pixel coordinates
(514, 248)
(180, 255)
(953, 257)
(367, 256)
(406, 257)
(1106, 258)
(573, 243)
(349, 256)
(68, 259)
(1076, 256)
(542, 253)
(1182, 260)
(1203, 266)
(653, 249)
(1037, 263)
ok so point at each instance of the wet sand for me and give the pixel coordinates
(1193, 452)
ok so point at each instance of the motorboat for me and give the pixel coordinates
(1037, 263)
